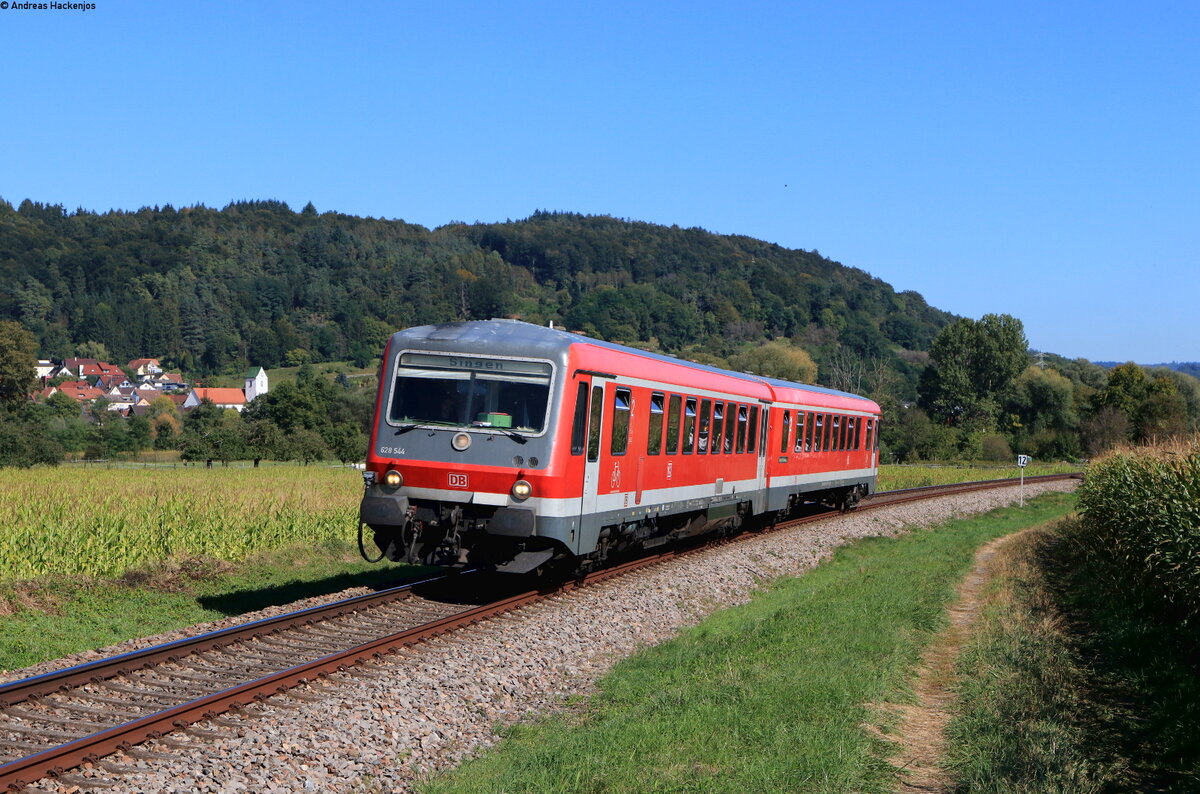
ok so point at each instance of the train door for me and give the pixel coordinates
(760, 477)
(591, 465)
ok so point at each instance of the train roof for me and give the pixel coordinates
(518, 338)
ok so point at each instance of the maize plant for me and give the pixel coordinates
(1141, 508)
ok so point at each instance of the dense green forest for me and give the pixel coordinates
(210, 292)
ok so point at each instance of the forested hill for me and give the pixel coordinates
(257, 283)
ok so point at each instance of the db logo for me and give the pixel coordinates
(457, 480)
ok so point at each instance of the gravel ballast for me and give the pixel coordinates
(432, 705)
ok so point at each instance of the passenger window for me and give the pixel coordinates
(705, 419)
(752, 435)
(673, 424)
(597, 410)
(579, 425)
(787, 427)
(743, 420)
(818, 432)
(689, 425)
(718, 427)
(867, 440)
(838, 434)
(854, 433)
(620, 422)
(878, 431)
(731, 408)
(800, 417)
(654, 437)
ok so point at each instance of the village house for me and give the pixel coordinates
(221, 397)
(255, 385)
(143, 367)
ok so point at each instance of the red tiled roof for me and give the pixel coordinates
(221, 396)
(80, 391)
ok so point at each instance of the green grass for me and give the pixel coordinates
(48, 618)
(895, 476)
(1077, 682)
(770, 696)
(280, 375)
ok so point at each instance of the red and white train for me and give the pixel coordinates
(507, 444)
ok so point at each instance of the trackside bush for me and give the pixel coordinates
(1142, 510)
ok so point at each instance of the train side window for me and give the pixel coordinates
(654, 435)
(787, 428)
(801, 417)
(620, 422)
(689, 425)
(718, 427)
(878, 430)
(839, 433)
(827, 436)
(870, 426)
(855, 442)
(730, 426)
(818, 432)
(743, 421)
(848, 423)
(597, 410)
(752, 434)
(808, 433)
(705, 420)
(673, 424)
(579, 424)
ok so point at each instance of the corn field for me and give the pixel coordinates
(1141, 508)
(102, 522)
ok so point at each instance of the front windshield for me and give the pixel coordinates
(456, 391)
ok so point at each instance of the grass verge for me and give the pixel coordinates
(770, 696)
(51, 617)
(1074, 684)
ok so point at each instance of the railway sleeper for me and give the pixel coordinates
(23, 730)
(84, 782)
(125, 715)
(49, 719)
(163, 698)
(176, 688)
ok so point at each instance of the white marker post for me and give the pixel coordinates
(1022, 462)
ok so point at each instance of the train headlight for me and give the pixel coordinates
(521, 490)
(461, 441)
(393, 479)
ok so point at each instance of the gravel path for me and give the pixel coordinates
(433, 705)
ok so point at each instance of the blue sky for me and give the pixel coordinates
(1031, 158)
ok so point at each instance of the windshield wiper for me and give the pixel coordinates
(404, 429)
(520, 439)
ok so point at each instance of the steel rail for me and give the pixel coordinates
(56, 760)
(17, 691)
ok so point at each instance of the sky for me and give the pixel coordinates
(1038, 159)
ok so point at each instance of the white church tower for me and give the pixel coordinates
(256, 383)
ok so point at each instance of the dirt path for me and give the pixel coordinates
(919, 741)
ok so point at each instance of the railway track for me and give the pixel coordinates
(52, 723)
